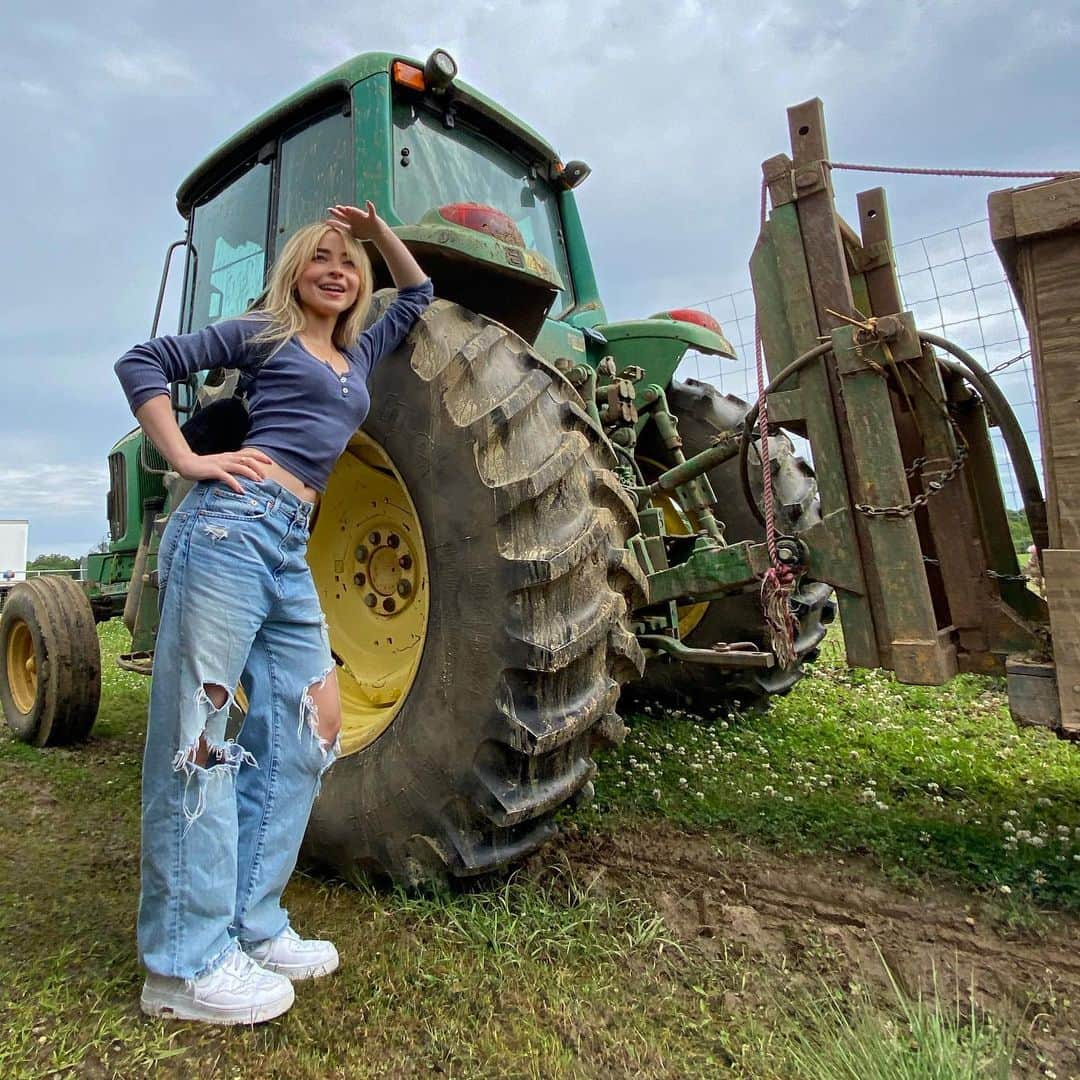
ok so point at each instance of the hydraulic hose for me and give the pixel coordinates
(1015, 443)
(995, 400)
(751, 418)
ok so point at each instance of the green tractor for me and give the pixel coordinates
(516, 533)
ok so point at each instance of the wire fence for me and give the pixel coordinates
(953, 283)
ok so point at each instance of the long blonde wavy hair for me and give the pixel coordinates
(280, 305)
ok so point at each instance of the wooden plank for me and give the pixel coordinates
(827, 270)
(1046, 208)
(817, 215)
(1061, 572)
(883, 289)
(918, 651)
(881, 281)
(785, 304)
(782, 296)
(1050, 277)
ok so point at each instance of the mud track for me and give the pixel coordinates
(828, 918)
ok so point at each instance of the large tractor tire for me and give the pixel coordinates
(471, 555)
(704, 412)
(50, 662)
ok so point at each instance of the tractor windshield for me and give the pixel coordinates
(448, 165)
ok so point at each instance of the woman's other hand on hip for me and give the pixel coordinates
(226, 467)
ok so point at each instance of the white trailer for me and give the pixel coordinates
(13, 539)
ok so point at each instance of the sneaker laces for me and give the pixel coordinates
(239, 967)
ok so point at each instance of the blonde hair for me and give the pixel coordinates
(280, 305)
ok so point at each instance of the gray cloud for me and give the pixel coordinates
(675, 106)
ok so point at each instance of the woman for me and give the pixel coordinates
(223, 819)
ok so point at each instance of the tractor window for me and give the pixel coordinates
(230, 249)
(448, 165)
(316, 172)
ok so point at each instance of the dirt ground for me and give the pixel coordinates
(828, 919)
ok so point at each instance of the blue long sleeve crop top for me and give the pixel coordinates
(303, 413)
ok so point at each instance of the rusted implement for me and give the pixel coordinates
(914, 533)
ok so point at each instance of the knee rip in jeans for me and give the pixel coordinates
(227, 756)
(309, 713)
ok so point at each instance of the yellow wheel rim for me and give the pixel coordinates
(369, 562)
(677, 522)
(21, 666)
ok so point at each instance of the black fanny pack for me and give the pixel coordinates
(222, 425)
(219, 427)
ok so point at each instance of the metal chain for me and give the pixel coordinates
(915, 466)
(1009, 363)
(1007, 577)
(932, 488)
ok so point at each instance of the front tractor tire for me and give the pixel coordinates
(703, 413)
(50, 662)
(528, 586)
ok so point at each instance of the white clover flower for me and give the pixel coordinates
(1008, 826)
(881, 806)
(700, 794)
(683, 781)
(656, 793)
(789, 798)
(1006, 890)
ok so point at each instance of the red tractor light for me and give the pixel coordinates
(485, 219)
(690, 315)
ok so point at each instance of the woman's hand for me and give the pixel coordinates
(226, 467)
(367, 225)
(363, 224)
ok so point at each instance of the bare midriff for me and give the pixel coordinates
(289, 482)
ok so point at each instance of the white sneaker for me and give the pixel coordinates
(237, 991)
(290, 955)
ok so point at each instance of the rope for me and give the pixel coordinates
(778, 582)
(1005, 174)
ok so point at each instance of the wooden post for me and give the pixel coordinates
(907, 632)
(1036, 231)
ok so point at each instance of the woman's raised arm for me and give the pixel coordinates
(367, 225)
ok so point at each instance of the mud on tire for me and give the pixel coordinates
(47, 629)
(704, 412)
(528, 634)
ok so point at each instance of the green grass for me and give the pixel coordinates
(543, 975)
(838, 1036)
(932, 783)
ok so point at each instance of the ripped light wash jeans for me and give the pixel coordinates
(238, 605)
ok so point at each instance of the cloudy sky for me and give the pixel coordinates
(108, 106)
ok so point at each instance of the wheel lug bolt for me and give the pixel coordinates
(389, 604)
(370, 600)
(359, 579)
(393, 540)
(404, 588)
(405, 562)
(361, 554)
(374, 539)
